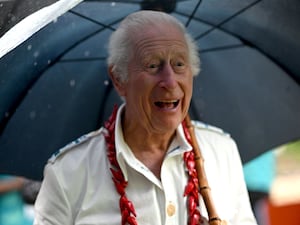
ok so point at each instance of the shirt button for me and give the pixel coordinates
(171, 209)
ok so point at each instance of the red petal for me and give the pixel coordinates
(125, 215)
(131, 207)
(117, 174)
(119, 186)
(131, 220)
(189, 187)
(195, 219)
(192, 204)
(191, 164)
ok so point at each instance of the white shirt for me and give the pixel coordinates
(78, 188)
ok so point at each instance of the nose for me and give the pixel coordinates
(168, 77)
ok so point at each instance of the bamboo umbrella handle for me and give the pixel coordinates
(204, 188)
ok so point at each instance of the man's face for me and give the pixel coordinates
(159, 86)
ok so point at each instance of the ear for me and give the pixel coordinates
(118, 84)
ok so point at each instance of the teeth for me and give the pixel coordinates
(171, 101)
(169, 104)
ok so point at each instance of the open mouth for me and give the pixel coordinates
(172, 104)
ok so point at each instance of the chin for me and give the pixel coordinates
(171, 124)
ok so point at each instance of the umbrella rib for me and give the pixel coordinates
(82, 59)
(222, 48)
(92, 20)
(193, 13)
(85, 38)
(220, 24)
(209, 24)
(227, 19)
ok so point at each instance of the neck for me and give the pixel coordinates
(142, 138)
(148, 147)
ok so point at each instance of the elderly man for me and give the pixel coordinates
(140, 167)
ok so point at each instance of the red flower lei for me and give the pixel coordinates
(128, 213)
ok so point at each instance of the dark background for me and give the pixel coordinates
(13, 11)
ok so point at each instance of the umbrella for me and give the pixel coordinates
(54, 85)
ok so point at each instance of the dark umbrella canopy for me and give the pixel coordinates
(55, 88)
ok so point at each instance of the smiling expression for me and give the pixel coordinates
(159, 86)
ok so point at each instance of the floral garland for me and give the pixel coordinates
(128, 213)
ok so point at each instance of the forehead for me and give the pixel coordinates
(160, 38)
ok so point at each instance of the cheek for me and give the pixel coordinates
(189, 86)
(138, 88)
(188, 92)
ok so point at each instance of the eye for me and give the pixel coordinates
(179, 65)
(152, 66)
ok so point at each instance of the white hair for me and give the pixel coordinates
(120, 44)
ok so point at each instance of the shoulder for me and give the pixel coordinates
(214, 138)
(72, 167)
(217, 146)
(212, 130)
(78, 146)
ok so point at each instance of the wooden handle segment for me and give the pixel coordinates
(204, 188)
